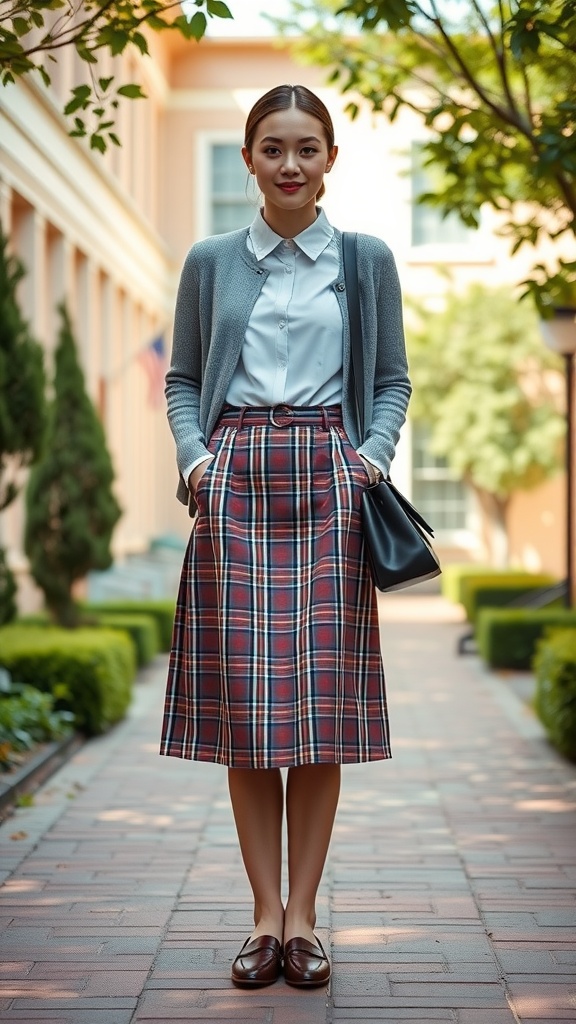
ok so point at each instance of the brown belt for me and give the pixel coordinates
(281, 416)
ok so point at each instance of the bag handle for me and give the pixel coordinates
(350, 261)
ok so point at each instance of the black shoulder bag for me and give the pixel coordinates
(396, 537)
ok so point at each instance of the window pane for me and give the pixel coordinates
(440, 498)
(228, 170)
(230, 216)
(231, 208)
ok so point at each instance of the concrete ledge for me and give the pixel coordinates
(35, 771)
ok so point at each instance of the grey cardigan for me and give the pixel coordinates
(220, 283)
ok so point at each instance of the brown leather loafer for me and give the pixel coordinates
(259, 962)
(305, 963)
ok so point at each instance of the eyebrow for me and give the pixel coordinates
(270, 138)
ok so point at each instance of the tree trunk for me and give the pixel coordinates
(494, 526)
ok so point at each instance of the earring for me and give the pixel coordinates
(251, 169)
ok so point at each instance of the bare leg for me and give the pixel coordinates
(257, 797)
(311, 801)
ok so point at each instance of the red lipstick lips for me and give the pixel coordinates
(291, 187)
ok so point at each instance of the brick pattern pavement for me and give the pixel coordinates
(450, 893)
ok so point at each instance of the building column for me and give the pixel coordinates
(87, 322)
(33, 253)
(5, 207)
(60, 285)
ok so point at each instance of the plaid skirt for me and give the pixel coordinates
(275, 656)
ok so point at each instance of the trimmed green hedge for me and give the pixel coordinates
(455, 573)
(555, 668)
(496, 590)
(142, 629)
(162, 611)
(507, 637)
(89, 671)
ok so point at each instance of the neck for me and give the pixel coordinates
(289, 223)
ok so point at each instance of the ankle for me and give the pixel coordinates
(299, 922)
(269, 921)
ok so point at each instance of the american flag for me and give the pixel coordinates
(152, 359)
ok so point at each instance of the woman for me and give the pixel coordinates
(276, 660)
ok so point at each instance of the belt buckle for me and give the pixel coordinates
(281, 410)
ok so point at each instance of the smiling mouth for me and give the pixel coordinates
(292, 187)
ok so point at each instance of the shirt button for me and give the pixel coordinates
(288, 270)
(282, 364)
(281, 323)
(340, 287)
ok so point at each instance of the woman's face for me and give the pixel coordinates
(290, 157)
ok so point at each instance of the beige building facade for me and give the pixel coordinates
(109, 234)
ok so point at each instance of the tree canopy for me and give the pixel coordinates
(32, 34)
(490, 392)
(493, 84)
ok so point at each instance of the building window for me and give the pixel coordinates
(231, 208)
(439, 496)
(428, 225)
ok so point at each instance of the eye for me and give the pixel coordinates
(271, 150)
(309, 150)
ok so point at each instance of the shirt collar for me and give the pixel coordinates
(312, 241)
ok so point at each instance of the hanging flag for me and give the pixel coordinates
(152, 359)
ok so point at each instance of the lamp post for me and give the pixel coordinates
(559, 333)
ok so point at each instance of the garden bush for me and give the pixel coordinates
(27, 717)
(498, 591)
(142, 629)
(162, 611)
(555, 669)
(89, 671)
(453, 575)
(507, 637)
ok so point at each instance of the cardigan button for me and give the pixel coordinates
(341, 287)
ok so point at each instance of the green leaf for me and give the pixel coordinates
(44, 75)
(114, 138)
(97, 142)
(21, 26)
(217, 9)
(131, 92)
(140, 41)
(193, 29)
(37, 18)
(85, 54)
(105, 83)
(119, 41)
(80, 99)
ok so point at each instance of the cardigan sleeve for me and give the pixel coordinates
(391, 383)
(184, 377)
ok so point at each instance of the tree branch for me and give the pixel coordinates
(507, 115)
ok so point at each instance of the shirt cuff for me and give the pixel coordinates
(188, 470)
(379, 471)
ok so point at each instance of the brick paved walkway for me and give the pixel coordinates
(449, 895)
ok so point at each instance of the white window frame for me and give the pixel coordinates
(204, 143)
(465, 538)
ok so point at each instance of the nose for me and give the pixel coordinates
(290, 164)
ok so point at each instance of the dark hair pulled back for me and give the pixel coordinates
(284, 97)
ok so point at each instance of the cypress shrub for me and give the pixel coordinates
(22, 403)
(71, 508)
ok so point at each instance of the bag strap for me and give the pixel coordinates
(349, 259)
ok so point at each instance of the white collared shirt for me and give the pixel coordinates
(292, 350)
